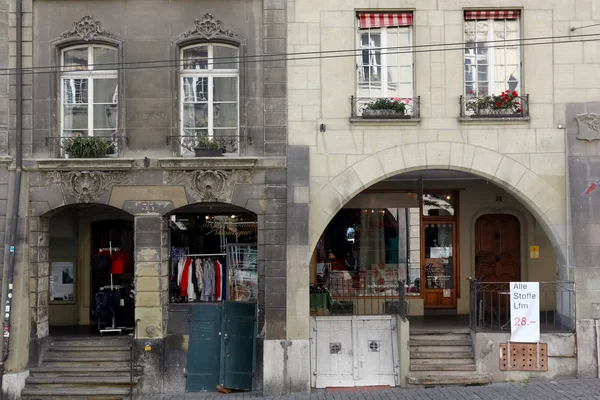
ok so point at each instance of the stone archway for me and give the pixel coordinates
(536, 194)
(39, 261)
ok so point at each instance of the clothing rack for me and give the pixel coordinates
(205, 255)
(113, 328)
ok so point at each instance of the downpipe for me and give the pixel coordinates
(14, 217)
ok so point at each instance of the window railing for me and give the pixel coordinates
(495, 106)
(193, 145)
(85, 146)
(490, 306)
(387, 108)
(339, 296)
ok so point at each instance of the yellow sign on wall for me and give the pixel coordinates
(534, 252)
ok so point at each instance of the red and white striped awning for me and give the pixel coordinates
(385, 20)
(491, 14)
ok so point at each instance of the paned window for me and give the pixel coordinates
(492, 53)
(210, 92)
(384, 64)
(89, 91)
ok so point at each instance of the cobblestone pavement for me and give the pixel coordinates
(533, 390)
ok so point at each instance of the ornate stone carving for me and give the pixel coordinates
(86, 186)
(589, 126)
(87, 28)
(208, 27)
(210, 185)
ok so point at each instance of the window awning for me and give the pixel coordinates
(385, 20)
(491, 14)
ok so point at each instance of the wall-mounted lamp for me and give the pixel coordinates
(322, 128)
(560, 126)
(146, 162)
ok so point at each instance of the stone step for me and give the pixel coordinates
(438, 342)
(444, 361)
(68, 370)
(441, 331)
(88, 353)
(76, 381)
(447, 380)
(444, 367)
(94, 348)
(103, 393)
(85, 364)
(441, 354)
(68, 357)
(93, 341)
(439, 337)
(440, 349)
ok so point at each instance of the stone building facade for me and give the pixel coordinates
(526, 159)
(150, 173)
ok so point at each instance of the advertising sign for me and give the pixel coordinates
(525, 312)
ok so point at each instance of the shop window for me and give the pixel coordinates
(364, 254)
(213, 257)
(438, 204)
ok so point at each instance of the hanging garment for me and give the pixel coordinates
(180, 265)
(191, 289)
(101, 262)
(208, 281)
(185, 277)
(218, 281)
(198, 273)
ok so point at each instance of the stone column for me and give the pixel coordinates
(151, 276)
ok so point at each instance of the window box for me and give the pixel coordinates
(205, 152)
(500, 107)
(384, 109)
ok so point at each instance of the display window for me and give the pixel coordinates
(213, 257)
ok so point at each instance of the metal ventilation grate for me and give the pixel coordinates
(335, 348)
(373, 346)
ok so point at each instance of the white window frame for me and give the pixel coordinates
(90, 75)
(491, 58)
(384, 61)
(209, 73)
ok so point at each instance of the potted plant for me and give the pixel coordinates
(391, 108)
(506, 104)
(208, 147)
(88, 147)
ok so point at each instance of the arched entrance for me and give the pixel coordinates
(84, 254)
(424, 237)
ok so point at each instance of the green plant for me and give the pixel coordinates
(394, 104)
(205, 142)
(88, 147)
(506, 102)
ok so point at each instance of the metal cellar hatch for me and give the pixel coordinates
(524, 357)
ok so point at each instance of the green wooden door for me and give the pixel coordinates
(238, 345)
(204, 352)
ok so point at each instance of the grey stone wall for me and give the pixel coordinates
(584, 169)
(149, 93)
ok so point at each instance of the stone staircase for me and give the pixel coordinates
(439, 358)
(82, 368)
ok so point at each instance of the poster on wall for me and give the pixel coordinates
(61, 281)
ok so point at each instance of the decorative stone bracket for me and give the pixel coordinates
(210, 185)
(208, 28)
(86, 186)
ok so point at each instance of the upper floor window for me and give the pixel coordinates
(89, 96)
(384, 66)
(492, 53)
(210, 93)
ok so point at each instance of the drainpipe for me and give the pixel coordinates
(14, 217)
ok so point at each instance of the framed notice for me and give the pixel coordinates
(62, 282)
